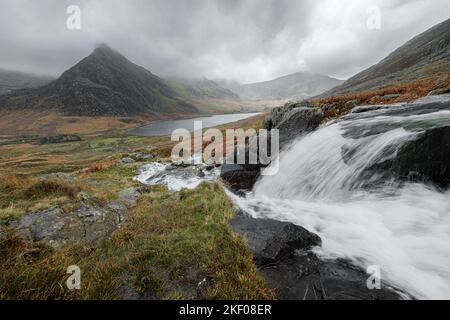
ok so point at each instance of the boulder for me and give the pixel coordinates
(200, 173)
(298, 121)
(272, 240)
(49, 225)
(282, 253)
(91, 222)
(307, 277)
(426, 159)
(240, 177)
(277, 114)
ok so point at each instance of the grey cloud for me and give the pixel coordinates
(244, 40)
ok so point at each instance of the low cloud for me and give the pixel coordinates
(243, 40)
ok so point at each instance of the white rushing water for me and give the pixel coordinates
(404, 229)
(175, 179)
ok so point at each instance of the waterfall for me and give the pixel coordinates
(330, 182)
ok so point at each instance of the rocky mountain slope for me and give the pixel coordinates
(13, 80)
(103, 84)
(427, 56)
(294, 86)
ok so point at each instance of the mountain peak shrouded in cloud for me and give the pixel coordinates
(247, 41)
(103, 84)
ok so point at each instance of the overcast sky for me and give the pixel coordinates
(244, 40)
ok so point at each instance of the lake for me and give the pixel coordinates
(165, 128)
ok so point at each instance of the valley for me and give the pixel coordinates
(362, 182)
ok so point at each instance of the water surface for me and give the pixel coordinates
(165, 128)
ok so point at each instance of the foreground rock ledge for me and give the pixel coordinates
(282, 252)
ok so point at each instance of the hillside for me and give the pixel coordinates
(425, 57)
(203, 88)
(294, 86)
(215, 96)
(13, 80)
(105, 84)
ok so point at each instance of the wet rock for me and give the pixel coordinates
(282, 253)
(369, 108)
(200, 173)
(272, 240)
(424, 105)
(240, 177)
(298, 121)
(171, 167)
(426, 159)
(305, 276)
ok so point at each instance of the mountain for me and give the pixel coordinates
(295, 86)
(427, 56)
(103, 84)
(13, 80)
(201, 89)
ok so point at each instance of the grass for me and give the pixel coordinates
(20, 194)
(170, 244)
(392, 93)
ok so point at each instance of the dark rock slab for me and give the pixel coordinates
(306, 277)
(272, 240)
(426, 159)
(282, 252)
(240, 177)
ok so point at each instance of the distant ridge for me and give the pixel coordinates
(14, 80)
(294, 86)
(103, 84)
